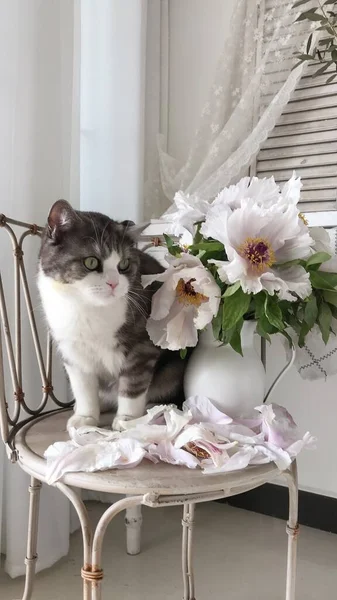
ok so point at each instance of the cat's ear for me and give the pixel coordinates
(60, 219)
(135, 231)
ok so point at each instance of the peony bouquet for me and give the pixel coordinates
(247, 255)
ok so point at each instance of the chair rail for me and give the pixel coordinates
(14, 412)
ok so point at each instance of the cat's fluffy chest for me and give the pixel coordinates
(86, 335)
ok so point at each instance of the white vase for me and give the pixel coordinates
(234, 383)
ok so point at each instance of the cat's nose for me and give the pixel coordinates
(112, 284)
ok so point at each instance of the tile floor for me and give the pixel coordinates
(239, 555)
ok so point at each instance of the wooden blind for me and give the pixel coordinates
(305, 138)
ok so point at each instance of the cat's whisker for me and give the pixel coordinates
(138, 307)
(143, 300)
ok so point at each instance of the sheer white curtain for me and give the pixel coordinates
(72, 124)
(252, 85)
(38, 164)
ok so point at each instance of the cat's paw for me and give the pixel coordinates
(117, 423)
(78, 421)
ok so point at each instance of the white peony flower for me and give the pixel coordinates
(185, 212)
(265, 192)
(291, 190)
(187, 301)
(257, 241)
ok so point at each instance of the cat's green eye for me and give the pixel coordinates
(123, 265)
(91, 263)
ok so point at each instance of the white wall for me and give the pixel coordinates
(197, 33)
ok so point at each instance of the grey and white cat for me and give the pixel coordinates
(90, 285)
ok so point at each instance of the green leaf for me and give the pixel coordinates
(324, 321)
(294, 324)
(330, 297)
(232, 289)
(311, 311)
(323, 281)
(173, 248)
(318, 258)
(287, 336)
(211, 246)
(198, 236)
(273, 314)
(234, 308)
(303, 333)
(217, 323)
(334, 311)
(183, 353)
(262, 332)
(300, 2)
(235, 339)
(266, 325)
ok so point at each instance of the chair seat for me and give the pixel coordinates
(163, 479)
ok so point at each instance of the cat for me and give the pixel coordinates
(89, 280)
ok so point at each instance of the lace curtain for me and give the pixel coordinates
(252, 84)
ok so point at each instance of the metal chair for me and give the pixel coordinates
(27, 430)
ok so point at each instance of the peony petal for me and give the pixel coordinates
(203, 410)
(239, 460)
(184, 213)
(291, 190)
(166, 452)
(216, 222)
(295, 279)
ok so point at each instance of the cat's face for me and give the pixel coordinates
(89, 254)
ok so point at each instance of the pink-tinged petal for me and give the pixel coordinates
(296, 247)
(321, 240)
(330, 266)
(162, 301)
(166, 452)
(148, 279)
(193, 433)
(176, 420)
(245, 222)
(291, 190)
(216, 223)
(203, 410)
(275, 454)
(181, 330)
(239, 460)
(184, 213)
(294, 279)
(204, 315)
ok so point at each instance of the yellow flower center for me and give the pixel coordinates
(187, 295)
(302, 217)
(259, 253)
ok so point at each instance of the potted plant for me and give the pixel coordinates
(246, 263)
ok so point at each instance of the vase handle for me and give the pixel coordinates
(281, 374)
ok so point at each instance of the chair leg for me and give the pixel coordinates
(33, 520)
(133, 522)
(187, 546)
(292, 531)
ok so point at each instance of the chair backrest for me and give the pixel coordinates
(15, 407)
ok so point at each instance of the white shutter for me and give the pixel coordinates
(305, 138)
